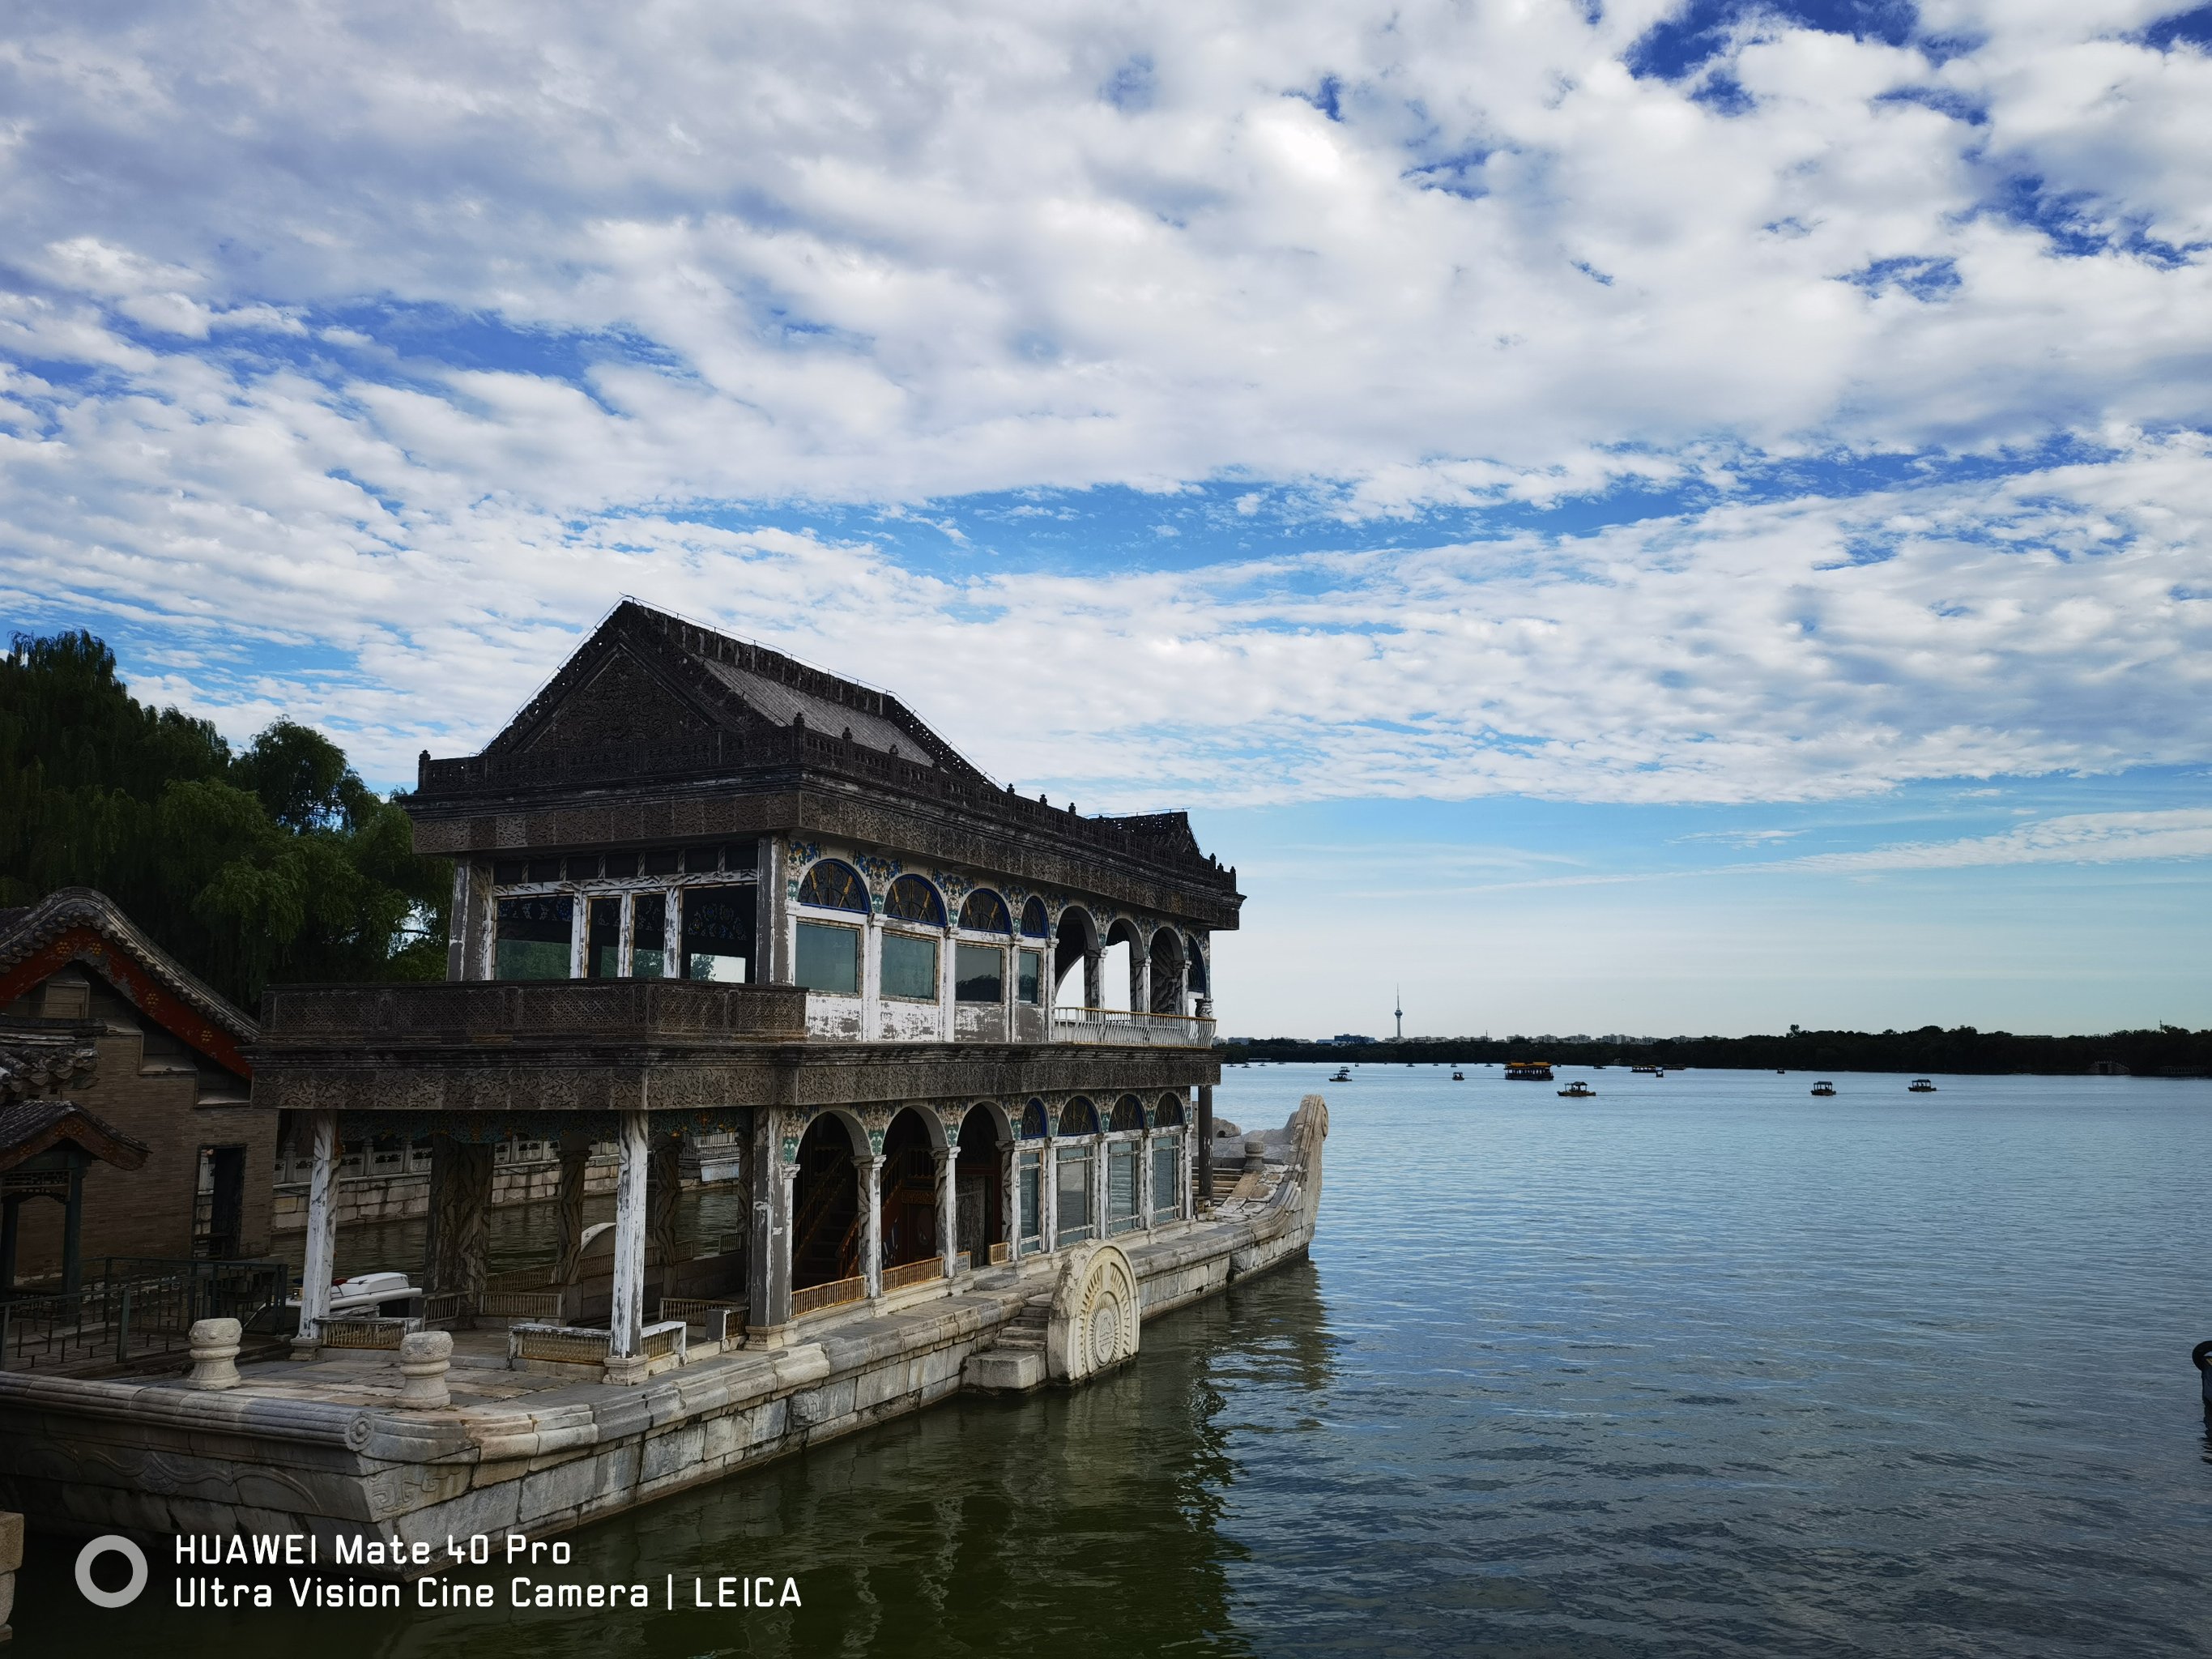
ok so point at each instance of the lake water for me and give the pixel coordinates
(1701, 1366)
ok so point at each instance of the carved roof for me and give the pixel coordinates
(28, 1127)
(646, 677)
(43, 1057)
(82, 924)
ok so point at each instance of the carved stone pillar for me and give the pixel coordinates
(663, 1186)
(1203, 1186)
(568, 1207)
(1144, 1179)
(769, 1245)
(1094, 979)
(948, 1206)
(322, 1241)
(872, 1224)
(460, 1215)
(626, 1320)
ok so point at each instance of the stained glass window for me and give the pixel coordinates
(718, 933)
(834, 886)
(533, 936)
(1168, 1114)
(828, 958)
(1033, 1121)
(913, 899)
(984, 912)
(910, 966)
(1034, 923)
(648, 934)
(1128, 1113)
(1078, 1117)
(979, 974)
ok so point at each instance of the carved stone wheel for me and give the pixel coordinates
(1095, 1315)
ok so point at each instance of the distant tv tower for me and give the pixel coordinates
(1398, 997)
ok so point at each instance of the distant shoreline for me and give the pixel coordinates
(2168, 1052)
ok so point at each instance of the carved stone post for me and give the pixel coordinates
(872, 1224)
(322, 1241)
(663, 1186)
(1094, 979)
(1010, 1212)
(425, 1357)
(460, 1216)
(948, 1206)
(568, 1207)
(1048, 1188)
(768, 1247)
(215, 1353)
(626, 1320)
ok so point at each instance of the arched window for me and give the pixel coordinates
(913, 899)
(1197, 957)
(1034, 923)
(834, 886)
(1034, 1120)
(1128, 1113)
(984, 912)
(1168, 1114)
(1078, 1117)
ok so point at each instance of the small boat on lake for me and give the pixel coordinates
(1920, 1085)
(1824, 1088)
(1578, 1090)
(1528, 1070)
(1646, 1071)
(1458, 1075)
(1341, 1074)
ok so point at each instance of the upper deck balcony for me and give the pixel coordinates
(505, 1014)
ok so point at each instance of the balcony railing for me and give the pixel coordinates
(837, 1291)
(1114, 1027)
(520, 1010)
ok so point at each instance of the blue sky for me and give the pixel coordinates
(1642, 516)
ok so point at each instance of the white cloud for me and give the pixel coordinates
(2073, 838)
(739, 258)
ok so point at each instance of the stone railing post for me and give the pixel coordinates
(424, 1358)
(215, 1353)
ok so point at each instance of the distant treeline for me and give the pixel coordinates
(2169, 1050)
(276, 862)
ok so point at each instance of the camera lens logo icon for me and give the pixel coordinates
(116, 1544)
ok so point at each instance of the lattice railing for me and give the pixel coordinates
(561, 1345)
(913, 1273)
(836, 1292)
(364, 1333)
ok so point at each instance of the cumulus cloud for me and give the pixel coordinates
(367, 357)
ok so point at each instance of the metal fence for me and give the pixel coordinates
(136, 1308)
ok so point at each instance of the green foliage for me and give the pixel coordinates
(277, 864)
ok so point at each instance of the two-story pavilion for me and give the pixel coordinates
(700, 886)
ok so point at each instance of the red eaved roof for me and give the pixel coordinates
(79, 924)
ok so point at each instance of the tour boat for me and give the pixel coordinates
(1824, 1088)
(1459, 1076)
(1578, 1090)
(1920, 1085)
(1528, 1070)
(1342, 1074)
(1647, 1071)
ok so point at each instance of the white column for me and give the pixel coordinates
(321, 1263)
(948, 1206)
(1140, 975)
(1187, 1158)
(580, 932)
(871, 979)
(625, 933)
(1009, 1177)
(671, 936)
(871, 1224)
(1048, 1186)
(946, 1026)
(627, 1320)
(1101, 1198)
(1144, 1179)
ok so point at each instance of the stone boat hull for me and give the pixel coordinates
(323, 1447)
